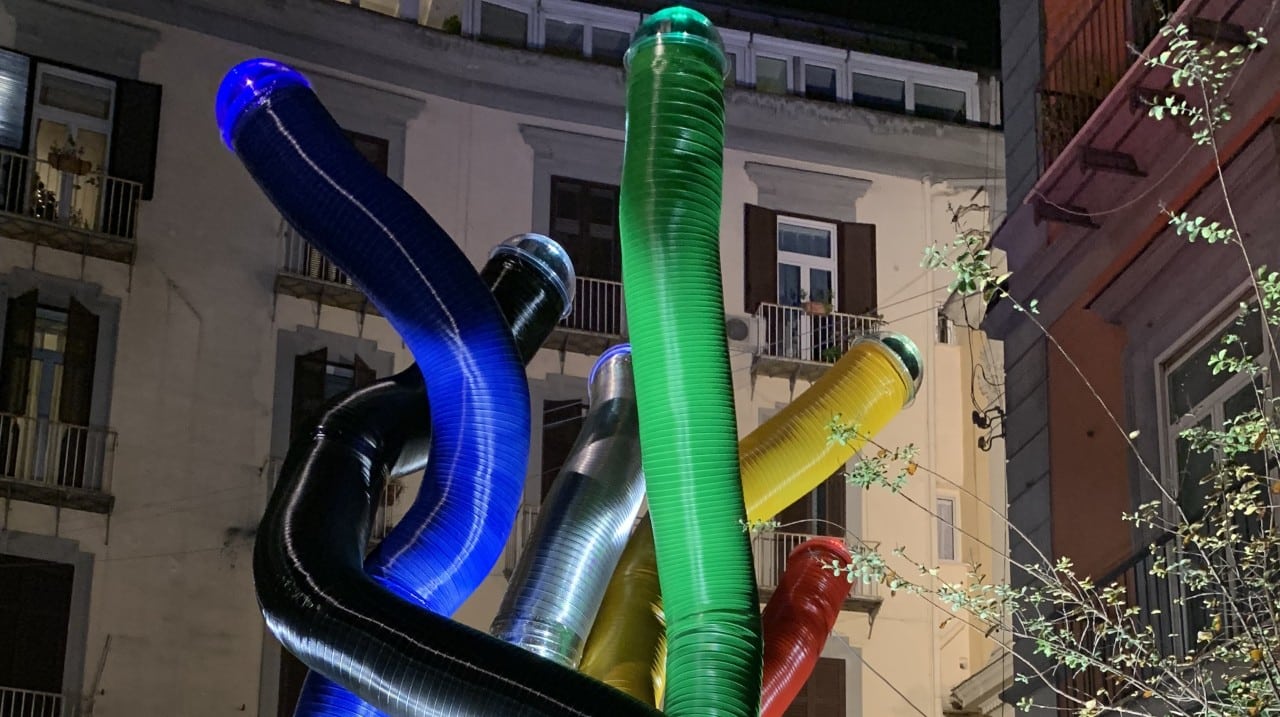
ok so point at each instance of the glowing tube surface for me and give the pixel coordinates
(788, 456)
(798, 619)
(670, 226)
(583, 525)
(431, 294)
(532, 280)
(627, 648)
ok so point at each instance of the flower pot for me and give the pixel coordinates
(816, 307)
(69, 163)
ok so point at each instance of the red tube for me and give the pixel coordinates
(798, 619)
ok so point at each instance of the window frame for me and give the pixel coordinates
(589, 17)
(1204, 331)
(738, 43)
(909, 73)
(472, 23)
(808, 261)
(942, 526)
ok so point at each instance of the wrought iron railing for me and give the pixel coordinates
(30, 703)
(1089, 63)
(770, 550)
(597, 308)
(809, 333)
(60, 455)
(67, 190)
(299, 257)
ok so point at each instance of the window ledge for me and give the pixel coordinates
(90, 501)
(66, 238)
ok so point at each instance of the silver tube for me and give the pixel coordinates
(560, 579)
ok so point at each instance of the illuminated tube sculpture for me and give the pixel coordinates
(800, 615)
(583, 525)
(670, 226)
(532, 279)
(627, 648)
(788, 456)
(375, 637)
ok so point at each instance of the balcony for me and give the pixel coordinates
(54, 463)
(800, 343)
(29, 703)
(770, 552)
(60, 203)
(307, 274)
(1088, 64)
(597, 321)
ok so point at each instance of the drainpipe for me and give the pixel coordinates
(931, 440)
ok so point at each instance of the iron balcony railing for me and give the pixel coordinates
(299, 257)
(30, 703)
(59, 455)
(809, 333)
(1089, 63)
(67, 190)
(598, 308)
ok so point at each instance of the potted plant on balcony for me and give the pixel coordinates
(69, 158)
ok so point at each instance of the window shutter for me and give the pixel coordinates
(760, 257)
(835, 488)
(135, 134)
(308, 389)
(15, 364)
(362, 375)
(77, 365)
(561, 423)
(15, 77)
(825, 689)
(857, 281)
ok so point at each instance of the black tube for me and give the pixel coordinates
(317, 599)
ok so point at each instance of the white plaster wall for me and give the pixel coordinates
(194, 390)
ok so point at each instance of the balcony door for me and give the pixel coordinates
(584, 220)
(35, 609)
(806, 277)
(71, 116)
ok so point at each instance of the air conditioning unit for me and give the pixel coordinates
(743, 331)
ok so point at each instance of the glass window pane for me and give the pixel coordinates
(503, 25)
(819, 285)
(1193, 467)
(804, 240)
(75, 96)
(563, 38)
(15, 68)
(940, 103)
(609, 45)
(771, 75)
(732, 77)
(820, 82)
(946, 529)
(879, 92)
(788, 285)
(1193, 380)
(1244, 401)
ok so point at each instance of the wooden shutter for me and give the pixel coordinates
(78, 360)
(835, 495)
(292, 676)
(362, 375)
(136, 133)
(375, 149)
(760, 257)
(35, 605)
(308, 389)
(823, 695)
(15, 364)
(857, 280)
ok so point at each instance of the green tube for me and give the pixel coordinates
(670, 219)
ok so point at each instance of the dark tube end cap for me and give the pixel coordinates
(679, 24)
(245, 85)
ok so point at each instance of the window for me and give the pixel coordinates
(503, 25)
(563, 38)
(609, 46)
(375, 149)
(584, 219)
(821, 82)
(879, 93)
(940, 103)
(773, 75)
(1196, 397)
(82, 146)
(35, 610)
(317, 379)
(946, 512)
(46, 394)
(806, 261)
(731, 62)
(561, 423)
(823, 694)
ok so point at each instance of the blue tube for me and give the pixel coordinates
(432, 295)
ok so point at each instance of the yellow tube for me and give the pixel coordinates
(790, 454)
(782, 460)
(627, 648)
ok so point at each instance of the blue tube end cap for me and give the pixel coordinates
(245, 85)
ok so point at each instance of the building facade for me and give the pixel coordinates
(164, 331)
(1136, 306)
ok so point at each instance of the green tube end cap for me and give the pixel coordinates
(909, 354)
(678, 24)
